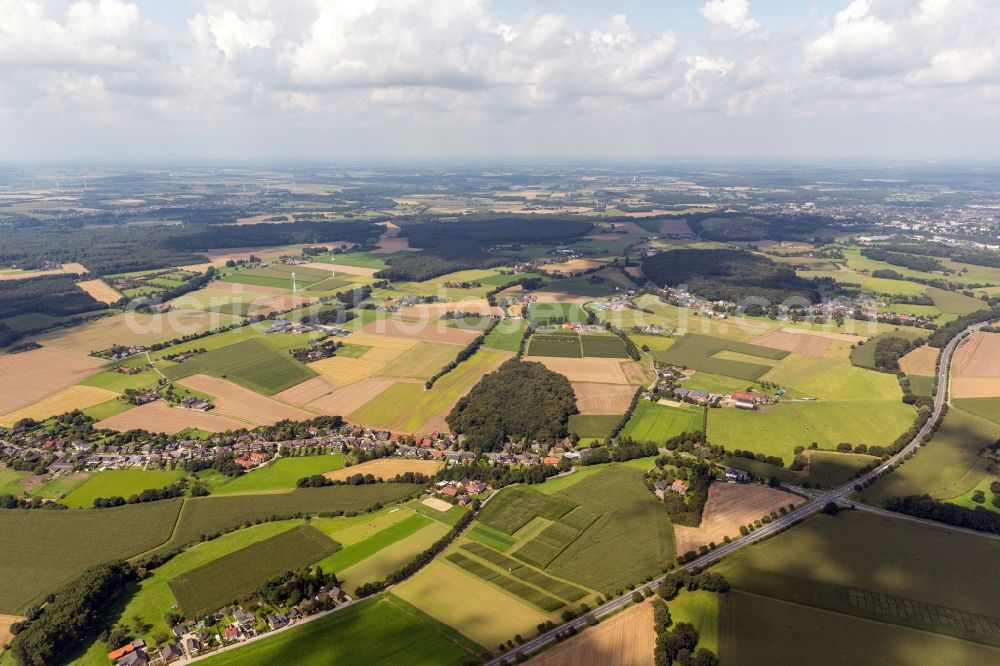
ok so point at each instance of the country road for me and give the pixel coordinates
(813, 505)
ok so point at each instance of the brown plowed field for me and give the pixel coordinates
(435, 310)
(920, 361)
(350, 398)
(161, 417)
(729, 506)
(810, 345)
(387, 468)
(627, 639)
(100, 291)
(243, 404)
(594, 398)
(599, 370)
(976, 368)
(29, 376)
(307, 391)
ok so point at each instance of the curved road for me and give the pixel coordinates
(812, 505)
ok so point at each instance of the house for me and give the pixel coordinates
(243, 618)
(259, 457)
(232, 632)
(179, 630)
(744, 400)
(679, 487)
(450, 491)
(681, 393)
(276, 621)
(170, 652)
(191, 645)
(124, 650)
(550, 460)
(134, 658)
(699, 397)
(337, 594)
(474, 487)
(660, 487)
(737, 475)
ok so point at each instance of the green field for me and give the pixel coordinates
(863, 355)
(53, 547)
(490, 537)
(602, 346)
(765, 471)
(119, 483)
(955, 303)
(406, 407)
(832, 563)
(532, 595)
(379, 565)
(106, 410)
(61, 485)
(701, 353)
(984, 408)
(329, 284)
(515, 507)
(252, 363)
(382, 630)
(543, 314)
(829, 469)
(831, 379)
(701, 609)
(365, 548)
(651, 422)
(593, 426)
(564, 344)
(947, 467)
(207, 588)
(281, 474)
(924, 386)
(506, 335)
(10, 481)
(778, 429)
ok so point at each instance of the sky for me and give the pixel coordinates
(238, 80)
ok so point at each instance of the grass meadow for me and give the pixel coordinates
(651, 422)
(701, 353)
(119, 483)
(281, 474)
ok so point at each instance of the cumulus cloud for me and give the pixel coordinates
(731, 14)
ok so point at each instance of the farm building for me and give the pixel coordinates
(744, 400)
(679, 487)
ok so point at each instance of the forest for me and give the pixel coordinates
(728, 275)
(520, 400)
(911, 261)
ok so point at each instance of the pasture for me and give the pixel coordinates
(280, 474)
(829, 379)
(627, 639)
(593, 426)
(984, 408)
(651, 422)
(207, 588)
(52, 547)
(544, 313)
(701, 609)
(381, 630)
(701, 352)
(953, 302)
(506, 336)
(387, 468)
(118, 483)
(252, 363)
(66, 400)
(594, 398)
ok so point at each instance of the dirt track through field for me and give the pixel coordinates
(387, 468)
(161, 417)
(627, 639)
(29, 376)
(599, 370)
(592, 398)
(729, 506)
(243, 404)
(921, 361)
(976, 368)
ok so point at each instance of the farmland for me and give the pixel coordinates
(280, 474)
(118, 483)
(205, 589)
(626, 639)
(161, 417)
(984, 408)
(593, 426)
(242, 404)
(394, 556)
(561, 344)
(506, 336)
(594, 398)
(66, 400)
(387, 468)
(385, 629)
(651, 422)
(30, 376)
(595, 370)
(251, 363)
(701, 352)
(976, 368)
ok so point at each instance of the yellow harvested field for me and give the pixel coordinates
(420, 330)
(921, 361)
(100, 291)
(730, 505)
(307, 391)
(5, 622)
(160, 417)
(68, 399)
(810, 345)
(976, 368)
(437, 504)
(343, 370)
(337, 268)
(382, 354)
(387, 468)
(573, 266)
(638, 373)
(421, 362)
(627, 639)
(349, 398)
(131, 328)
(480, 611)
(275, 303)
(435, 310)
(379, 341)
(243, 404)
(67, 269)
(599, 370)
(29, 376)
(594, 398)
(843, 337)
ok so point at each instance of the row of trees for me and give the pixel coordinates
(175, 489)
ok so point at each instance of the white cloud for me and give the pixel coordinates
(731, 14)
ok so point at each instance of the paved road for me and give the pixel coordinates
(813, 505)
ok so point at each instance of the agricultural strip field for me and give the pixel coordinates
(383, 630)
(730, 506)
(252, 363)
(243, 404)
(66, 400)
(387, 468)
(947, 467)
(444, 591)
(509, 565)
(99, 290)
(826, 563)
(778, 429)
(421, 361)
(561, 344)
(407, 407)
(532, 595)
(280, 474)
(651, 422)
(593, 398)
(699, 352)
(52, 547)
(160, 417)
(627, 639)
(211, 586)
(377, 566)
(118, 483)
(31, 375)
(209, 515)
(602, 346)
